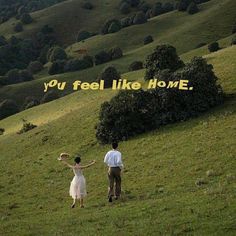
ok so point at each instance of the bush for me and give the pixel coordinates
(3, 41)
(2, 131)
(27, 126)
(167, 7)
(18, 27)
(125, 8)
(7, 108)
(35, 67)
(13, 77)
(102, 57)
(87, 5)
(82, 35)
(200, 45)
(49, 96)
(233, 42)
(56, 53)
(183, 5)
(192, 8)
(135, 112)
(109, 74)
(148, 39)
(30, 102)
(126, 22)
(133, 3)
(139, 18)
(57, 67)
(136, 65)
(25, 75)
(234, 28)
(26, 18)
(157, 9)
(116, 53)
(78, 64)
(107, 26)
(213, 47)
(144, 7)
(163, 57)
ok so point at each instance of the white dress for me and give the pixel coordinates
(78, 185)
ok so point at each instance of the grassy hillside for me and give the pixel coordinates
(70, 14)
(177, 28)
(160, 196)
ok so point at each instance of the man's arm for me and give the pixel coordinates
(119, 161)
(106, 158)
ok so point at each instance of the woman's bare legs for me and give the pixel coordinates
(81, 202)
(73, 205)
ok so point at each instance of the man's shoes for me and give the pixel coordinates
(110, 199)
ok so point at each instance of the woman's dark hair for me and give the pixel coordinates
(77, 159)
(114, 145)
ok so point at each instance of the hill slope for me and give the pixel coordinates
(161, 168)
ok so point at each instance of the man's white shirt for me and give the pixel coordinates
(113, 159)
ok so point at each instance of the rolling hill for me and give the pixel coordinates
(167, 164)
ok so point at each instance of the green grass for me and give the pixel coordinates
(161, 167)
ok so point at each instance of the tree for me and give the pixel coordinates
(7, 108)
(30, 102)
(156, 9)
(13, 77)
(35, 67)
(213, 47)
(109, 74)
(18, 27)
(139, 18)
(233, 42)
(116, 53)
(82, 35)
(87, 5)
(26, 18)
(57, 67)
(163, 57)
(183, 5)
(234, 28)
(114, 27)
(3, 40)
(192, 8)
(57, 53)
(107, 26)
(167, 7)
(102, 57)
(49, 96)
(136, 65)
(125, 8)
(148, 39)
(126, 22)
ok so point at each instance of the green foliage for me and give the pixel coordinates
(82, 35)
(115, 53)
(56, 53)
(111, 26)
(87, 5)
(78, 64)
(213, 47)
(26, 19)
(140, 18)
(134, 112)
(125, 8)
(102, 57)
(192, 8)
(30, 102)
(233, 42)
(234, 28)
(15, 76)
(136, 65)
(56, 67)
(27, 126)
(163, 57)
(2, 130)
(18, 27)
(148, 39)
(183, 5)
(35, 67)
(49, 96)
(109, 74)
(7, 108)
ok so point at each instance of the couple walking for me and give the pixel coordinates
(112, 159)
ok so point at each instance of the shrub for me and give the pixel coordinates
(27, 126)
(144, 7)
(233, 42)
(25, 75)
(134, 112)
(167, 7)
(102, 57)
(56, 53)
(148, 39)
(116, 53)
(139, 18)
(183, 5)
(125, 8)
(234, 28)
(133, 3)
(192, 8)
(13, 77)
(109, 74)
(126, 22)
(57, 67)
(78, 64)
(3, 41)
(87, 5)
(163, 57)
(26, 18)
(107, 26)
(156, 9)
(213, 47)
(18, 27)
(82, 35)
(200, 45)
(46, 29)
(43, 56)
(49, 96)
(136, 65)
(30, 102)
(35, 67)
(7, 108)
(2, 131)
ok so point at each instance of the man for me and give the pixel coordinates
(114, 162)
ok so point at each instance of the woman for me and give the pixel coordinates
(78, 184)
